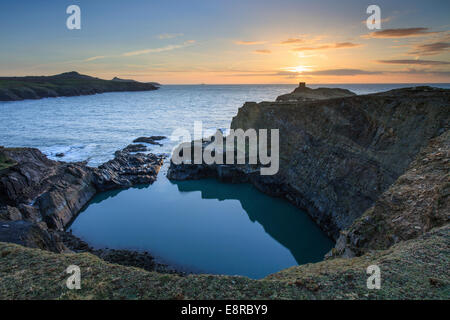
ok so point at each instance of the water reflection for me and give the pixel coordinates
(292, 228)
(204, 226)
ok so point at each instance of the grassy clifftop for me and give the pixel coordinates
(65, 84)
(414, 269)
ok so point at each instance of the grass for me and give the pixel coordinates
(415, 269)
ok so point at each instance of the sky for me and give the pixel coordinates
(229, 41)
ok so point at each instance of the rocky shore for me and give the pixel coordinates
(64, 85)
(39, 197)
(373, 171)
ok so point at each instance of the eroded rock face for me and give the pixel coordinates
(337, 156)
(41, 191)
(29, 234)
(415, 204)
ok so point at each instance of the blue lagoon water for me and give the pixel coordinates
(201, 226)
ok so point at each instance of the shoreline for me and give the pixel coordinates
(387, 230)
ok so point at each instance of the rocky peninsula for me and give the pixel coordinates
(372, 171)
(64, 85)
(39, 197)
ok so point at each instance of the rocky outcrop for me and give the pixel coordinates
(337, 156)
(303, 93)
(51, 193)
(150, 140)
(127, 170)
(29, 234)
(415, 204)
(65, 84)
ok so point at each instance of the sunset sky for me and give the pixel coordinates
(229, 41)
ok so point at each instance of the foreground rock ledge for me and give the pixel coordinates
(414, 269)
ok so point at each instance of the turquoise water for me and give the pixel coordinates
(205, 226)
(201, 226)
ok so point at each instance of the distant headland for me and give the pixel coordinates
(65, 84)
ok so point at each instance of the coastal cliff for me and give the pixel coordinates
(64, 84)
(338, 155)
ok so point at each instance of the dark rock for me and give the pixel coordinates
(59, 155)
(135, 148)
(10, 213)
(126, 170)
(32, 235)
(40, 189)
(150, 140)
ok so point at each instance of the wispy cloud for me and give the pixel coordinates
(430, 49)
(415, 62)
(400, 33)
(340, 72)
(292, 41)
(384, 20)
(94, 58)
(262, 51)
(296, 74)
(249, 43)
(338, 45)
(170, 35)
(157, 50)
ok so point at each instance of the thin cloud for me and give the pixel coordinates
(415, 62)
(382, 20)
(430, 49)
(340, 72)
(249, 43)
(262, 51)
(94, 58)
(296, 74)
(292, 41)
(170, 35)
(401, 33)
(338, 45)
(157, 50)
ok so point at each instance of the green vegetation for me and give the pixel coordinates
(414, 269)
(65, 84)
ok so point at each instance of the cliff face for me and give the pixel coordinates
(337, 156)
(65, 84)
(416, 203)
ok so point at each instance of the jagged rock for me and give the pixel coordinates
(416, 203)
(10, 213)
(32, 235)
(126, 170)
(135, 148)
(150, 140)
(40, 189)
